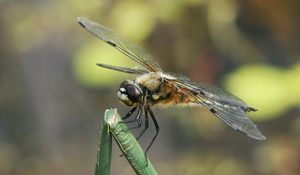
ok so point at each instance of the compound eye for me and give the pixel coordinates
(133, 91)
(124, 84)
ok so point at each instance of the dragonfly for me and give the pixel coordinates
(153, 87)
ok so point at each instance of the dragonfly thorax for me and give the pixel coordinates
(130, 93)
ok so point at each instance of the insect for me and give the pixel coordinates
(153, 87)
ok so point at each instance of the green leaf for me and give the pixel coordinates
(104, 152)
(128, 144)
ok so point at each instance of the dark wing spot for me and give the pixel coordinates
(248, 109)
(252, 109)
(195, 93)
(110, 43)
(82, 25)
(202, 93)
(213, 111)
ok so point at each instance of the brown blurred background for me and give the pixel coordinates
(53, 96)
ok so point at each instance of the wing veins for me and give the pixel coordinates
(124, 69)
(133, 57)
(234, 116)
(133, 51)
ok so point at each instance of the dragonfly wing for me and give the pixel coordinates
(215, 94)
(234, 117)
(224, 105)
(124, 69)
(128, 48)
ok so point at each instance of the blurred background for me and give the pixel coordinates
(53, 96)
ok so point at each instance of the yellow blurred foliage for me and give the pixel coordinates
(271, 90)
(89, 74)
(133, 19)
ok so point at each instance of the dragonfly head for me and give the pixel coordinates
(130, 93)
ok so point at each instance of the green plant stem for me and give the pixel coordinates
(128, 144)
(104, 151)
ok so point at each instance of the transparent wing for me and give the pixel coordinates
(128, 48)
(215, 94)
(236, 118)
(124, 69)
(224, 105)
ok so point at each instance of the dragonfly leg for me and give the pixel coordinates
(146, 125)
(129, 113)
(156, 128)
(138, 118)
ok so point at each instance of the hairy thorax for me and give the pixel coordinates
(161, 92)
